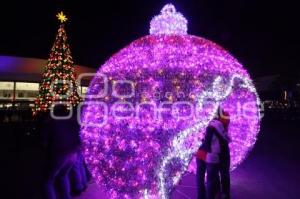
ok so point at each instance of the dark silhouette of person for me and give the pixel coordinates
(62, 143)
(79, 176)
(224, 165)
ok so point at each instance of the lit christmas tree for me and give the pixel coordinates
(58, 83)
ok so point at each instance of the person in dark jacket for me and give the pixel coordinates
(62, 142)
(224, 165)
(78, 176)
(211, 158)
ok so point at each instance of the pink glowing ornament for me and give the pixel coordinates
(149, 105)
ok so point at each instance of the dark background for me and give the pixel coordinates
(263, 35)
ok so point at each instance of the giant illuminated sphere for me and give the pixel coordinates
(147, 109)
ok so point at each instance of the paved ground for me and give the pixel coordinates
(270, 171)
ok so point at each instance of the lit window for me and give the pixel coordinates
(6, 86)
(25, 86)
(6, 90)
(27, 91)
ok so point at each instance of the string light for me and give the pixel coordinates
(58, 82)
(217, 95)
(168, 22)
(145, 154)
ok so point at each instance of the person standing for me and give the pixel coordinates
(78, 176)
(211, 157)
(62, 142)
(224, 165)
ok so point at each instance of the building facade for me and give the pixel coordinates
(20, 77)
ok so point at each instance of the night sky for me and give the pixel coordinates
(261, 34)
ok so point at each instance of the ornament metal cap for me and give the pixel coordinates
(169, 22)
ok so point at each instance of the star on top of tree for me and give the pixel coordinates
(62, 17)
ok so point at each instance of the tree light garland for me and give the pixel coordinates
(139, 135)
(58, 84)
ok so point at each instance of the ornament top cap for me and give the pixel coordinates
(168, 22)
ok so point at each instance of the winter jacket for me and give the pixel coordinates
(215, 143)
